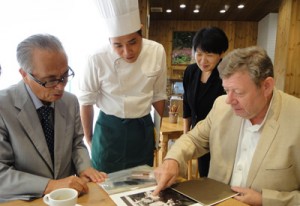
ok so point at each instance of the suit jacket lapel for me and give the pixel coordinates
(267, 137)
(269, 131)
(31, 123)
(60, 130)
(231, 139)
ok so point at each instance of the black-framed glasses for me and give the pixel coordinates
(67, 76)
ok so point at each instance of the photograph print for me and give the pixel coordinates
(167, 197)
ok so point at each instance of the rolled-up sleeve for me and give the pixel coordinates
(89, 85)
(161, 82)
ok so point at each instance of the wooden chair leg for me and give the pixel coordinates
(197, 170)
(190, 173)
(190, 169)
(155, 160)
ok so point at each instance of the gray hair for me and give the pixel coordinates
(39, 41)
(253, 60)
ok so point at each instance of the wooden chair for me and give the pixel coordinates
(193, 172)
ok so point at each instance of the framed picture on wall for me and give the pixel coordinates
(182, 47)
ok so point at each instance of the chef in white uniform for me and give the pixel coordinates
(124, 78)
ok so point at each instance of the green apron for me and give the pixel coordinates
(122, 143)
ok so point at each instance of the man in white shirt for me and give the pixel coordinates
(123, 79)
(252, 133)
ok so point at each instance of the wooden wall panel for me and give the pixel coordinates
(282, 39)
(287, 51)
(245, 34)
(144, 15)
(292, 78)
(240, 34)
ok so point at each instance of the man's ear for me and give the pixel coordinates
(268, 85)
(23, 74)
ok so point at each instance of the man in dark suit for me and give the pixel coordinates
(36, 158)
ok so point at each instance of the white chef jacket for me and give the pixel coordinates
(125, 90)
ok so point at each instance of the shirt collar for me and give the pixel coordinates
(258, 126)
(37, 103)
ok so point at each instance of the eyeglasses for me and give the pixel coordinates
(67, 76)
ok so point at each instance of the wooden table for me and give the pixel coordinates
(98, 197)
(95, 197)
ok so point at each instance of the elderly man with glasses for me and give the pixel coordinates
(41, 137)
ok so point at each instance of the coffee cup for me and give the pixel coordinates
(61, 197)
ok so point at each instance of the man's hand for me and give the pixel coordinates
(248, 196)
(166, 174)
(69, 182)
(90, 174)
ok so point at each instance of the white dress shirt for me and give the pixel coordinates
(248, 140)
(249, 137)
(125, 90)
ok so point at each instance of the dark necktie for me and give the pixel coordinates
(45, 117)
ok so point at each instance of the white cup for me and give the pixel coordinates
(61, 197)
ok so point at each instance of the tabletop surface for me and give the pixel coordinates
(97, 196)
